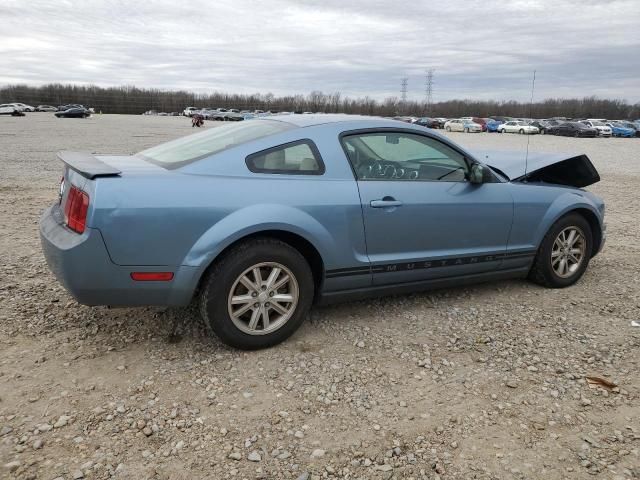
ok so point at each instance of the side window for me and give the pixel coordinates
(295, 158)
(403, 156)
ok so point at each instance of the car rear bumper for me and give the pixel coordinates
(81, 263)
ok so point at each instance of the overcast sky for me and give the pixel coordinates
(479, 49)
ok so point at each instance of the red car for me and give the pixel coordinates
(482, 122)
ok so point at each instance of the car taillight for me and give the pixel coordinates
(152, 276)
(75, 210)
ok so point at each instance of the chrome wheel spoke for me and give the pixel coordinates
(282, 297)
(280, 283)
(255, 316)
(242, 310)
(257, 275)
(562, 267)
(273, 276)
(278, 308)
(248, 283)
(242, 299)
(265, 318)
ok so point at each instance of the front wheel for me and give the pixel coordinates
(258, 294)
(448, 129)
(521, 131)
(564, 253)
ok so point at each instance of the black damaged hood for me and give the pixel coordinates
(562, 169)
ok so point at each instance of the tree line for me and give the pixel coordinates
(134, 100)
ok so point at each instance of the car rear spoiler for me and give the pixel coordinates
(87, 165)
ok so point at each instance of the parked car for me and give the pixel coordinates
(492, 125)
(238, 218)
(45, 108)
(187, 112)
(602, 128)
(62, 108)
(574, 129)
(626, 124)
(515, 126)
(75, 112)
(462, 125)
(7, 109)
(22, 107)
(544, 125)
(481, 121)
(428, 122)
(619, 130)
(234, 116)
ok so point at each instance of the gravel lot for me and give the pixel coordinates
(484, 382)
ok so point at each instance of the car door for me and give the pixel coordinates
(423, 220)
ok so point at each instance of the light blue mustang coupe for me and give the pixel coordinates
(259, 219)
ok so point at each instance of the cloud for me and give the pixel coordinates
(479, 49)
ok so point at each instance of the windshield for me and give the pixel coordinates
(194, 147)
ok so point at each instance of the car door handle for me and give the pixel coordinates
(386, 202)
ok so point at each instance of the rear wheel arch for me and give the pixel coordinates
(296, 241)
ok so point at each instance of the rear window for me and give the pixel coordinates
(188, 149)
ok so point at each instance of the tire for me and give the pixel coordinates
(543, 132)
(466, 130)
(542, 272)
(521, 131)
(223, 280)
(448, 129)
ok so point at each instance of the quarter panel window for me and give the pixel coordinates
(295, 158)
(402, 156)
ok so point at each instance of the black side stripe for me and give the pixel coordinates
(426, 264)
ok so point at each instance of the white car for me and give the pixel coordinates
(515, 126)
(8, 109)
(21, 107)
(601, 127)
(462, 125)
(187, 112)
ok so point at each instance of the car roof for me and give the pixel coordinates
(320, 119)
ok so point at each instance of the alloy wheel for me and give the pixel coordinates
(568, 252)
(263, 298)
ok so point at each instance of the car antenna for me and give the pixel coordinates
(526, 156)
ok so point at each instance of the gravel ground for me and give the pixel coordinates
(484, 382)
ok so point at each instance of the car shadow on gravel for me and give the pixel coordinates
(183, 326)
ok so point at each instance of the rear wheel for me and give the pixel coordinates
(564, 253)
(521, 131)
(466, 130)
(258, 294)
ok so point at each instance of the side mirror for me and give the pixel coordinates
(479, 174)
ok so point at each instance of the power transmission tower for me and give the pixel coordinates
(428, 87)
(403, 92)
